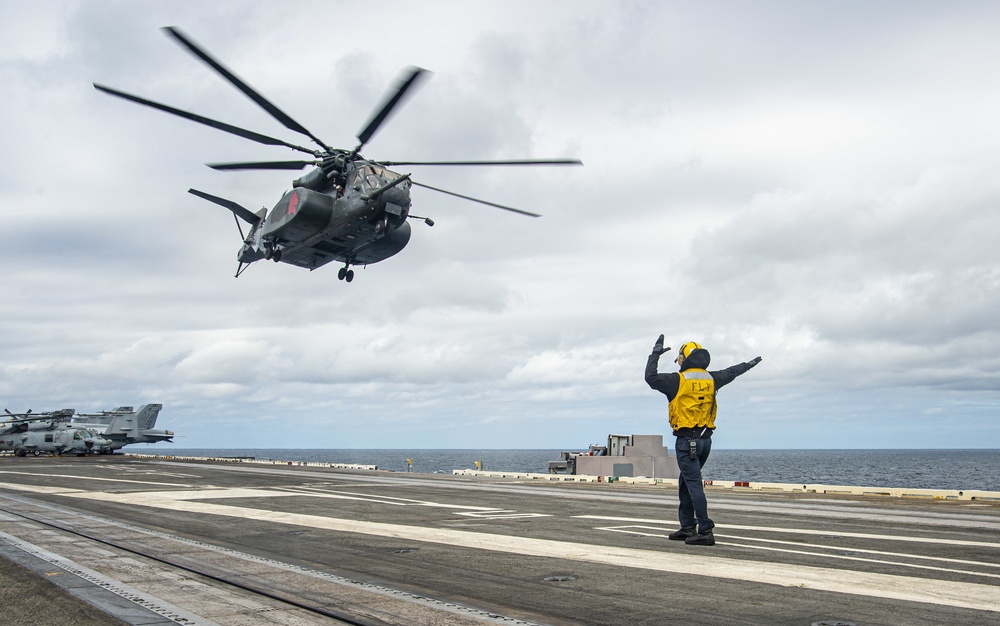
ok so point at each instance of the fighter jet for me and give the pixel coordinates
(124, 426)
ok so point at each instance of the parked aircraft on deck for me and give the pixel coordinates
(52, 432)
(67, 432)
(124, 426)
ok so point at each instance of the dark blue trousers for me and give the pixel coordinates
(693, 509)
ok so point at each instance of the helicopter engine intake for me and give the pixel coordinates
(298, 215)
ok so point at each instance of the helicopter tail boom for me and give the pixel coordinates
(238, 210)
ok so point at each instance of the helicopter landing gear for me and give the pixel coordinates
(345, 274)
(276, 256)
(272, 252)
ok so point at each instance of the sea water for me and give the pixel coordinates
(915, 469)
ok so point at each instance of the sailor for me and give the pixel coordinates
(692, 395)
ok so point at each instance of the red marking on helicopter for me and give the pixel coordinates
(293, 202)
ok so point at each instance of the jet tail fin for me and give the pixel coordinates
(130, 424)
(146, 418)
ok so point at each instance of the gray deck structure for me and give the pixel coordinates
(392, 548)
(624, 456)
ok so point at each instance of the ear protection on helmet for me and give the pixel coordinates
(689, 347)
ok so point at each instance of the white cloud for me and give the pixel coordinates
(812, 184)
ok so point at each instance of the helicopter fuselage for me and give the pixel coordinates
(318, 222)
(55, 438)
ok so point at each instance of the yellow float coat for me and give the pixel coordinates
(694, 405)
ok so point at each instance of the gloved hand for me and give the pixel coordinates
(753, 362)
(658, 348)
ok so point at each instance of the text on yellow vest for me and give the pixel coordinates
(694, 405)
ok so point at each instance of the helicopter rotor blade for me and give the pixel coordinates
(263, 165)
(488, 163)
(229, 128)
(261, 101)
(470, 198)
(393, 98)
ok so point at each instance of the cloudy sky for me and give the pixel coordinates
(817, 183)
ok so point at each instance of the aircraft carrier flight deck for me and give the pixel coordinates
(168, 541)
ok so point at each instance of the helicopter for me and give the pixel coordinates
(347, 209)
(19, 422)
(50, 432)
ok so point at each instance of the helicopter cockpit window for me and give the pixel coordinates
(77, 435)
(375, 176)
(369, 177)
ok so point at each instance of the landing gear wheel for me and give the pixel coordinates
(268, 253)
(276, 256)
(346, 273)
(36, 452)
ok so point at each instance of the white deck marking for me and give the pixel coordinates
(300, 491)
(878, 552)
(803, 531)
(827, 555)
(849, 511)
(627, 530)
(495, 514)
(933, 591)
(379, 499)
(879, 561)
(114, 480)
(40, 488)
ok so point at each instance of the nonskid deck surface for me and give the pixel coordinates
(196, 542)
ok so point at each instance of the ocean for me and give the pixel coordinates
(915, 469)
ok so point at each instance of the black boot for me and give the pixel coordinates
(701, 539)
(683, 533)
